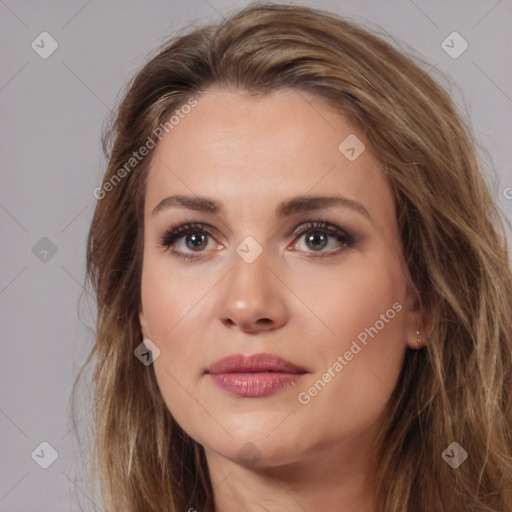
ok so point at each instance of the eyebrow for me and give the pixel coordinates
(300, 204)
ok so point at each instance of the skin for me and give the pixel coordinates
(251, 154)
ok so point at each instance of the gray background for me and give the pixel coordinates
(52, 112)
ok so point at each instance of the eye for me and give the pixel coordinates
(318, 234)
(195, 237)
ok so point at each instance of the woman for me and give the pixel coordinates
(303, 284)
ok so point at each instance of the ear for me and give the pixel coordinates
(417, 321)
(143, 325)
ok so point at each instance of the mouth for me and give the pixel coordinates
(254, 376)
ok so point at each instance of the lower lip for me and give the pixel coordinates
(253, 385)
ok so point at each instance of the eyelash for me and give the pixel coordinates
(177, 232)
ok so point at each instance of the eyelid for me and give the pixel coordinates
(320, 225)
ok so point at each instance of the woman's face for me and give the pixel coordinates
(330, 299)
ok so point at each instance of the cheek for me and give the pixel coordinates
(352, 297)
(170, 302)
(374, 315)
(364, 306)
(168, 296)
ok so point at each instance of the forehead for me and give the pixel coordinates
(247, 151)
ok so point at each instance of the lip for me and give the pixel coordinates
(240, 363)
(254, 376)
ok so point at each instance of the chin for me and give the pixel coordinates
(253, 450)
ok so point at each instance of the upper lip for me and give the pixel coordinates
(240, 363)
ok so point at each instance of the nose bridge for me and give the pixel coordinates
(251, 277)
(252, 294)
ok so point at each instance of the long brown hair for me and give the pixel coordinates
(457, 389)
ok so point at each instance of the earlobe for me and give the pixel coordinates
(418, 324)
(416, 338)
(419, 329)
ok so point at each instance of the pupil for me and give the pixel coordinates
(314, 237)
(195, 238)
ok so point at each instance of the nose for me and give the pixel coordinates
(252, 297)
